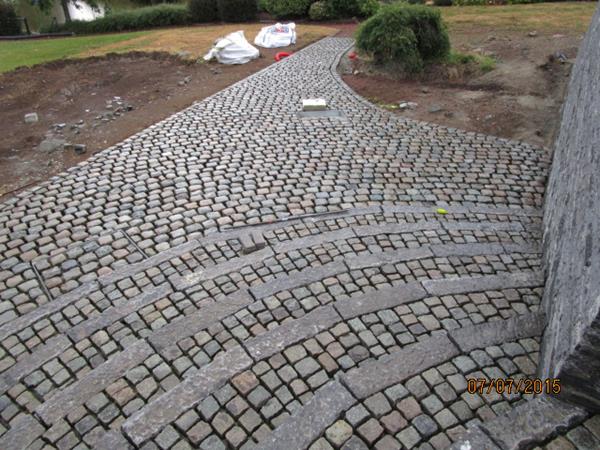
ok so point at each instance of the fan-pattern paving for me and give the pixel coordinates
(237, 276)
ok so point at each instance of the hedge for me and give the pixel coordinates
(237, 10)
(287, 8)
(134, 19)
(203, 11)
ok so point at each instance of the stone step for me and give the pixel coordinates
(530, 423)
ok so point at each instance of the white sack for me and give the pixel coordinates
(233, 49)
(278, 35)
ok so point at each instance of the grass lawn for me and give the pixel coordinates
(543, 17)
(15, 54)
(197, 40)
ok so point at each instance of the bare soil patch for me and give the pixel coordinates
(519, 99)
(98, 102)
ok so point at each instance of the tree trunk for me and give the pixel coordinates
(65, 8)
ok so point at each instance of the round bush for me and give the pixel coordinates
(287, 8)
(237, 10)
(9, 23)
(203, 11)
(319, 11)
(402, 34)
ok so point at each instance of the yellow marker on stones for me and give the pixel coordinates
(441, 211)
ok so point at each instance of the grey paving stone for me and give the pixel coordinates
(532, 421)
(94, 382)
(497, 332)
(166, 408)
(309, 422)
(190, 325)
(21, 434)
(289, 333)
(399, 366)
(24, 366)
(483, 283)
(113, 314)
(382, 299)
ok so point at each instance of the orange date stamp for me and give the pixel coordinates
(514, 386)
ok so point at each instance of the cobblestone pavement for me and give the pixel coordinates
(238, 276)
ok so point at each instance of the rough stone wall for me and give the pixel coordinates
(571, 347)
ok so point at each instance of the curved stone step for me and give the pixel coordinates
(530, 423)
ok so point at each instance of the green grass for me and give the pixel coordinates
(544, 17)
(486, 63)
(14, 54)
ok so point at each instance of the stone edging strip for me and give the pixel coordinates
(399, 366)
(499, 331)
(62, 402)
(23, 367)
(187, 326)
(382, 299)
(452, 286)
(114, 313)
(23, 433)
(301, 429)
(143, 424)
(280, 338)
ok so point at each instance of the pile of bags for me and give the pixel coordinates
(232, 49)
(235, 49)
(278, 35)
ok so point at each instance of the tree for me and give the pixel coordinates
(46, 5)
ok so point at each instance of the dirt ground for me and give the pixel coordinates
(97, 102)
(519, 99)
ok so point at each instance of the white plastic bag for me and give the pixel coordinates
(233, 49)
(278, 35)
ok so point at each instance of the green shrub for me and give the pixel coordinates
(237, 10)
(416, 2)
(407, 35)
(368, 8)
(287, 8)
(9, 24)
(203, 10)
(442, 2)
(351, 8)
(134, 19)
(319, 11)
(469, 2)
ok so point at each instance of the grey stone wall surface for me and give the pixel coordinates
(571, 346)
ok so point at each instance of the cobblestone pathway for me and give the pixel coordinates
(239, 277)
